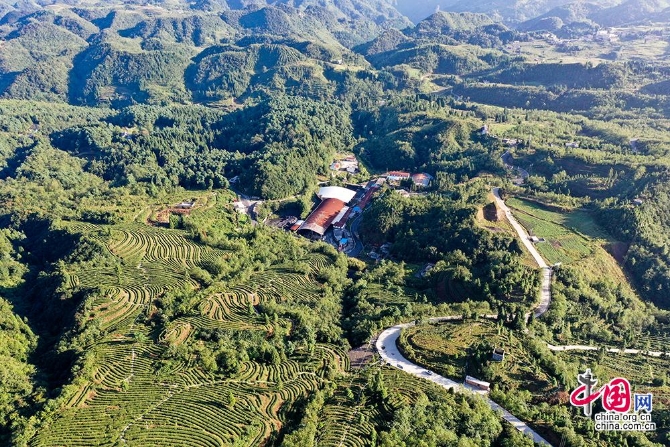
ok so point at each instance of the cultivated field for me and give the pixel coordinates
(570, 236)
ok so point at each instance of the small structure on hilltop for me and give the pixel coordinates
(498, 355)
(185, 205)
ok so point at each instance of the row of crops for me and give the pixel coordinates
(136, 397)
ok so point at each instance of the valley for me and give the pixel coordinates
(301, 223)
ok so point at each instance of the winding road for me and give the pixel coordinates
(388, 350)
(387, 341)
(545, 290)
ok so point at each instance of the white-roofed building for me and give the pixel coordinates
(336, 192)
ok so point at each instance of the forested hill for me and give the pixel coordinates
(543, 13)
(139, 54)
(150, 151)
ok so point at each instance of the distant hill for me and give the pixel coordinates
(448, 23)
(129, 52)
(592, 14)
(378, 11)
(558, 17)
(509, 11)
(195, 30)
(223, 72)
(436, 44)
(389, 40)
(630, 12)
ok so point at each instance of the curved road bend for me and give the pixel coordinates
(388, 349)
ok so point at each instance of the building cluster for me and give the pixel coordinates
(338, 205)
(332, 210)
(420, 180)
(347, 164)
(605, 35)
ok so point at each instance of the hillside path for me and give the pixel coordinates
(388, 350)
(387, 342)
(545, 291)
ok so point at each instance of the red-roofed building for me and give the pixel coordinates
(366, 197)
(396, 176)
(318, 222)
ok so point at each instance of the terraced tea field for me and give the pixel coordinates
(157, 374)
(570, 236)
(646, 374)
(448, 347)
(135, 397)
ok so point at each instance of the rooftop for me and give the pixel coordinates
(324, 214)
(399, 174)
(336, 192)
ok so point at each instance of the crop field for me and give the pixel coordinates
(446, 348)
(144, 387)
(569, 236)
(135, 397)
(599, 51)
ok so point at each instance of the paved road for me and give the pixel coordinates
(387, 342)
(507, 161)
(545, 292)
(613, 350)
(388, 350)
(358, 246)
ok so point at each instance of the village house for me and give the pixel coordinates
(476, 383)
(396, 176)
(348, 164)
(498, 355)
(422, 180)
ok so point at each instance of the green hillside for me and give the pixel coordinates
(155, 154)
